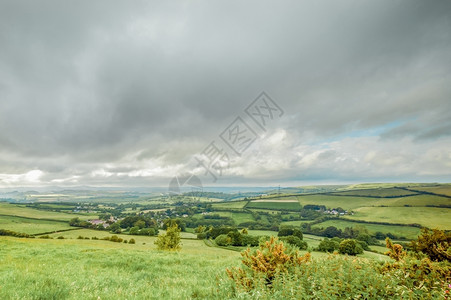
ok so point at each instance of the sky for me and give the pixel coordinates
(133, 93)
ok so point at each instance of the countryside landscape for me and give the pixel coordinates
(74, 230)
(257, 149)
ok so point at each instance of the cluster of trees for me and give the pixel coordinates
(358, 232)
(343, 246)
(292, 236)
(236, 238)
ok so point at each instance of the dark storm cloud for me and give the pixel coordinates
(103, 89)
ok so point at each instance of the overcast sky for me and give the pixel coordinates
(129, 93)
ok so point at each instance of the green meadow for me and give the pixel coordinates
(432, 217)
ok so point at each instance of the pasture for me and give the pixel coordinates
(432, 217)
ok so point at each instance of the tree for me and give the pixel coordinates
(115, 228)
(350, 247)
(295, 241)
(332, 231)
(327, 245)
(170, 240)
(134, 230)
(289, 230)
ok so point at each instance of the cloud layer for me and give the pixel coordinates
(120, 93)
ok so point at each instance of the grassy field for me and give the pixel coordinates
(379, 192)
(106, 270)
(276, 205)
(405, 231)
(31, 226)
(22, 211)
(295, 223)
(417, 200)
(238, 217)
(431, 217)
(444, 189)
(348, 203)
(230, 205)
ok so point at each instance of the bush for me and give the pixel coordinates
(272, 260)
(60, 237)
(249, 240)
(436, 244)
(223, 240)
(201, 236)
(327, 245)
(350, 247)
(5, 232)
(170, 240)
(132, 241)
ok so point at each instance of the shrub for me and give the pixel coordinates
(395, 250)
(271, 260)
(223, 240)
(170, 240)
(249, 240)
(327, 245)
(60, 237)
(80, 237)
(201, 236)
(350, 247)
(436, 244)
(132, 241)
(45, 237)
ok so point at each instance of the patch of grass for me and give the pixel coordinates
(229, 205)
(379, 192)
(331, 201)
(431, 217)
(79, 269)
(31, 226)
(443, 189)
(23, 211)
(237, 217)
(417, 200)
(295, 223)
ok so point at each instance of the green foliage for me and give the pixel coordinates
(290, 230)
(223, 240)
(436, 244)
(79, 223)
(171, 222)
(350, 247)
(272, 260)
(5, 232)
(115, 228)
(327, 245)
(170, 240)
(132, 241)
(295, 241)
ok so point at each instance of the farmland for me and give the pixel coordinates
(90, 267)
